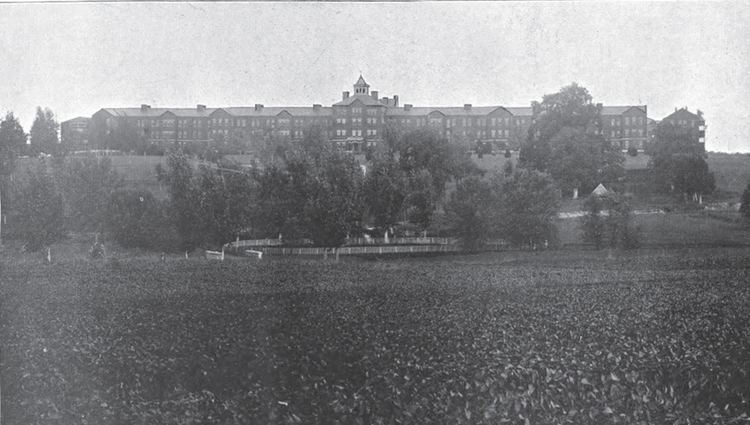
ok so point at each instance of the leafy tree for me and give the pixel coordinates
(421, 199)
(525, 205)
(384, 192)
(689, 175)
(39, 217)
(44, 133)
(333, 205)
(279, 203)
(12, 143)
(677, 161)
(87, 184)
(136, 219)
(468, 212)
(424, 149)
(571, 107)
(745, 203)
(582, 160)
(608, 222)
(565, 140)
(183, 199)
(225, 200)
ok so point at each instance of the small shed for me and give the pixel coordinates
(600, 190)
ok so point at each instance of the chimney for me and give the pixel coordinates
(145, 107)
(599, 106)
(467, 106)
(407, 106)
(316, 107)
(258, 107)
(395, 100)
(201, 108)
(345, 95)
(385, 101)
(374, 94)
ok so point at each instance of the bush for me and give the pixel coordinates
(608, 223)
(745, 203)
(632, 151)
(507, 153)
(135, 219)
(40, 219)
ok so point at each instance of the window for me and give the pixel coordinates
(356, 110)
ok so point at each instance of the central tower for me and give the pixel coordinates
(361, 87)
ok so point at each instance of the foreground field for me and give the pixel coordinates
(558, 337)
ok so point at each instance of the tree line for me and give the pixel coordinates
(310, 191)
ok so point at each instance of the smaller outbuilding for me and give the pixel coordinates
(600, 191)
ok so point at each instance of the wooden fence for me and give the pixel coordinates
(351, 242)
(360, 250)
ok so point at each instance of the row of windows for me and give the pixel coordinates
(635, 121)
(628, 132)
(356, 132)
(682, 122)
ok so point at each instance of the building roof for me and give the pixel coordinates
(682, 111)
(272, 111)
(77, 119)
(367, 100)
(600, 190)
(361, 81)
(458, 111)
(619, 110)
(157, 112)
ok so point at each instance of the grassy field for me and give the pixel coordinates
(556, 337)
(700, 228)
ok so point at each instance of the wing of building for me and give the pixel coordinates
(355, 123)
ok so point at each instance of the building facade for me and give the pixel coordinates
(355, 123)
(74, 133)
(693, 124)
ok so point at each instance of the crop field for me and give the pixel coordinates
(556, 337)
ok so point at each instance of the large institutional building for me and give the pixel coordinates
(354, 123)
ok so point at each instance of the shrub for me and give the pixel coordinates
(745, 203)
(632, 151)
(608, 223)
(136, 219)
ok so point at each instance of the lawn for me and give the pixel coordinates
(556, 337)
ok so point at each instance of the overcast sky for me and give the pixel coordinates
(79, 57)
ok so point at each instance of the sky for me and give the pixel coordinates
(76, 58)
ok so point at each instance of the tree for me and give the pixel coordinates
(136, 219)
(745, 203)
(468, 212)
(87, 184)
(183, 199)
(583, 160)
(421, 199)
(677, 161)
(44, 132)
(39, 217)
(570, 107)
(384, 192)
(225, 200)
(525, 205)
(12, 143)
(608, 222)
(689, 175)
(333, 205)
(424, 149)
(565, 140)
